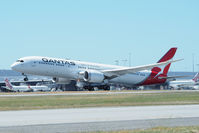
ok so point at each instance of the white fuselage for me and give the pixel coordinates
(40, 88)
(30, 88)
(20, 88)
(182, 84)
(70, 69)
(196, 87)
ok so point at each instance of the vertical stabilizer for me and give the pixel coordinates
(196, 77)
(168, 56)
(158, 72)
(8, 84)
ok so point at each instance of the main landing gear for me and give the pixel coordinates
(102, 87)
(25, 78)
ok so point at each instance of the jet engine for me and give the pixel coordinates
(61, 80)
(93, 76)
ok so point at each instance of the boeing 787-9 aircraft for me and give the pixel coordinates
(88, 75)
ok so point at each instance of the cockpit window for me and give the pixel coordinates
(20, 60)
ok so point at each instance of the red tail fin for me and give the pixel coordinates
(8, 84)
(196, 77)
(168, 56)
(157, 72)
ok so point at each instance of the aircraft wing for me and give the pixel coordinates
(173, 77)
(118, 72)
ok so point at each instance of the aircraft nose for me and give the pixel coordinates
(15, 66)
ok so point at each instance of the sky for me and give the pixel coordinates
(100, 31)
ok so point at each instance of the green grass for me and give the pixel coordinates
(160, 130)
(78, 101)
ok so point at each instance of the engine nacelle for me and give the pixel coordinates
(93, 76)
(61, 80)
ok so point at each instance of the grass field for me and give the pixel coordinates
(161, 130)
(78, 101)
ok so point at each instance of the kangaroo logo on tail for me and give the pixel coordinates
(157, 72)
(8, 84)
(196, 77)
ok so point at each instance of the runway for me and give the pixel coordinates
(91, 93)
(98, 119)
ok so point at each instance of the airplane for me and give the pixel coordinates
(89, 75)
(196, 87)
(26, 88)
(190, 83)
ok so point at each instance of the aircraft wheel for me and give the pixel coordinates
(91, 88)
(107, 88)
(26, 79)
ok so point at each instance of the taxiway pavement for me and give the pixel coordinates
(98, 119)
